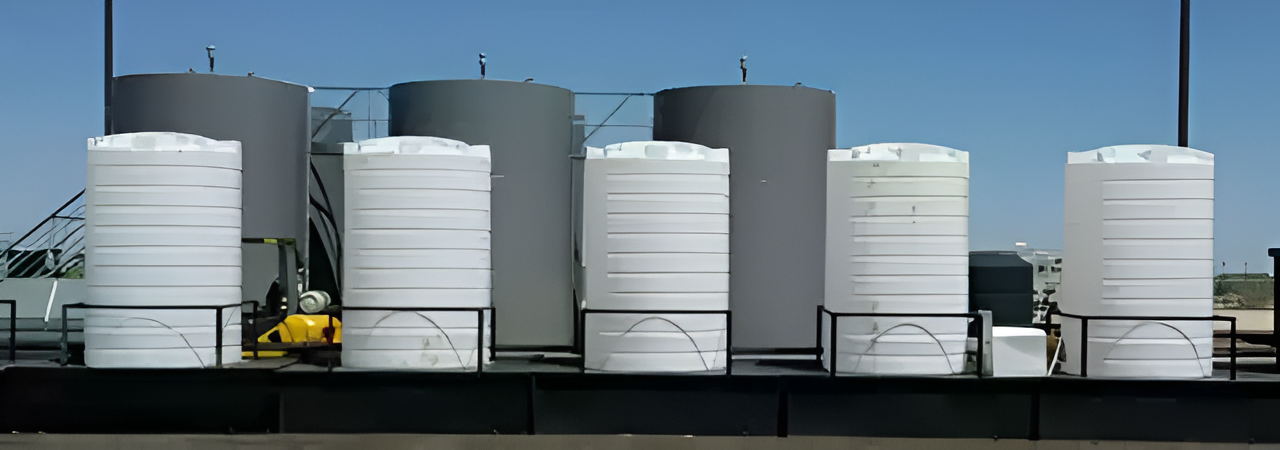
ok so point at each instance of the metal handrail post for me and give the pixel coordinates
(13, 330)
(817, 336)
(835, 325)
(728, 343)
(62, 357)
(981, 346)
(479, 343)
(253, 325)
(493, 334)
(1233, 349)
(1084, 348)
(218, 336)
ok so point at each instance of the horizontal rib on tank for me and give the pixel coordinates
(898, 242)
(417, 235)
(1138, 241)
(163, 218)
(656, 227)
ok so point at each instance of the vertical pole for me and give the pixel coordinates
(817, 337)
(1084, 348)
(1233, 350)
(108, 66)
(835, 326)
(982, 337)
(1184, 73)
(1274, 253)
(728, 342)
(282, 273)
(253, 327)
(479, 341)
(62, 357)
(582, 337)
(493, 333)
(217, 334)
(13, 331)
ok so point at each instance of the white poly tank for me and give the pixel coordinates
(1138, 241)
(162, 218)
(656, 237)
(417, 235)
(897, 242)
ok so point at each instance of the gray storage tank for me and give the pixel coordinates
(778, 137)
(529, 129)
(271, 119)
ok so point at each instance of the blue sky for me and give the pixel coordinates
(1016, 83)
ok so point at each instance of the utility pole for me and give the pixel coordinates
(1184, 73)
(108, 68)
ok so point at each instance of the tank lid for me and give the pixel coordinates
(155, 141)
(747, 87)
(900, 152)
(1120, 154)
(665, 150)
(252, 79)
(415, 145)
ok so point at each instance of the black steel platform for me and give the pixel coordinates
(522, 397)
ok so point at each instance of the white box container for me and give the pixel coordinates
(1018, 352)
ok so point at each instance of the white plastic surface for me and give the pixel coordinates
(897, 242)
(1138, 241)
(417, 235)
(656, 237)
(1018, 352)
(162, 218)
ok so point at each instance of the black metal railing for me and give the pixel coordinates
(728, 323)
(13, 329)
(53, 248)
(1084, 333)
(836, 316)
(65, 350)
(253, 325)
(479, 311)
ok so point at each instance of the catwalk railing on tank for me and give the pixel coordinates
(364, 109)
(52, 249)
(608, 117)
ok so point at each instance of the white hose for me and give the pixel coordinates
(1053, 364)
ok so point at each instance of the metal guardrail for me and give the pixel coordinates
(728, 321)
(63, 356)
(1084, 332)
(480, 347)
(836, 316)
